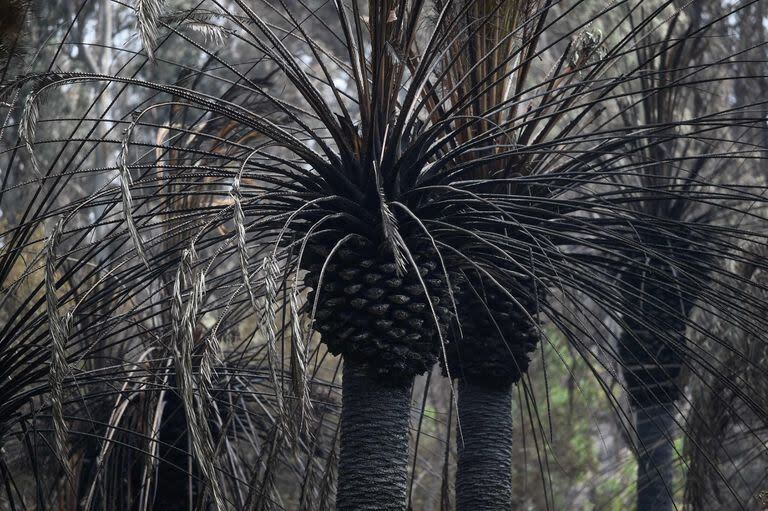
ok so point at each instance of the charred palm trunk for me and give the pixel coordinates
(651, 354)
(380, 320)
(484, 471)
(373, 462)
(174, 482)
(654, 462)
(651, 371)
(174, 489)
(489, 356)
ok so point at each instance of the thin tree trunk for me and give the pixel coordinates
(373, 458)
(654, 462)
(484, 472)
(174, 490)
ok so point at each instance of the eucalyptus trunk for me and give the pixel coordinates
(373, 460)
(654, 462)
(484, 438)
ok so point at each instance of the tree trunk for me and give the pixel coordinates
(654, 463)
(484, 472)
(373, 458)
(174, 482)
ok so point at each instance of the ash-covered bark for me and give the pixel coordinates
(488, 353)
(484, 472)
(373, 461)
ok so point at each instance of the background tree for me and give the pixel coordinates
(652, 347)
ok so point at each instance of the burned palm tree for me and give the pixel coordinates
(494, 331)
(383, 301)
(677, 216)
(676, 262)
(425, 183)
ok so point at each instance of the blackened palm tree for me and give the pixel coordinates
(394, 181)
(494, 331)
(669, 216)
(676, 265)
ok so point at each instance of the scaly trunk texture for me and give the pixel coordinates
(654, 463)
(373, 459)
(484, 472)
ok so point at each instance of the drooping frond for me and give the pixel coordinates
(148, 13)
